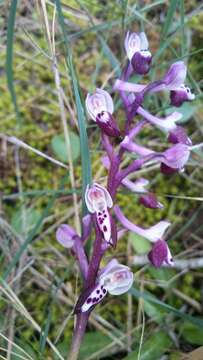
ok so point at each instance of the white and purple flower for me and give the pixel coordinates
(100, 108)
(137, 50)
(114, 278)
(98, 200)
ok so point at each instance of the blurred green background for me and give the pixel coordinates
(39, 280)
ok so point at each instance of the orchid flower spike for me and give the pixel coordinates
(98, 200)
(137, 50)
(174, 81)
(160, 254)
(114, 278)
(66, 235)
(100, 108)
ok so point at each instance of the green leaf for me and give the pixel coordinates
(59, 146)
(155, 312)
(153, 348)
(139, 243)
(93, 342)
(149, 297)
(192, 333)
(163, 274)
(23, 226)
(169, 17)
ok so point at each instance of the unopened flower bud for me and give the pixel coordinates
(65, 235)
(150, 201)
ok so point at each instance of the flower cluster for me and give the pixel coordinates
(104, 215)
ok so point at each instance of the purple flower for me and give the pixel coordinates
(114, 278)
(180, 95)
(98, 200)
(150, 201)
(137, 50)
(176, 157)
(174, 81)
(160, 254)
(100, 108)
(175, 76)
(65, 235)
(179, 135)
(138, 186)
(166, 124)
(152, 234)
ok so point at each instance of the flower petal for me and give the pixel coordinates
(158, 254)
(179, 135)
(65, 235)
(138, 186)
(144, 45)
(150, 201)
(132, 44)
(99, 101)
(177, 156)
(175, 76)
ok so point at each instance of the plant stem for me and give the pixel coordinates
(79, 331)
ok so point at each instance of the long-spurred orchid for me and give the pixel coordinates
(100, 108)
(173, 81)
(175, 157)
(137, 50)
(160, 253)
(98, 200)
(114, 278)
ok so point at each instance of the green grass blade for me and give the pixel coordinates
(147, 296)
(84, 148)
(9, 54)
(169, 18)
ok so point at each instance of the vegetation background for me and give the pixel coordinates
(41, 180)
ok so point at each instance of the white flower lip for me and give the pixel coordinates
(117, 278)
(102, 197)
(97, 102)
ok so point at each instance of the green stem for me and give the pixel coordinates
(79, 331)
